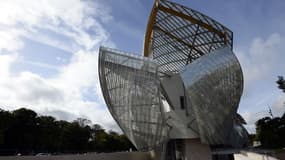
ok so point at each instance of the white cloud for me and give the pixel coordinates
(72, 25)
(278, 106)
(38, 64)
(9, 40)
(261, 65)
(252, 117)
(5, 61)
(263, 57)
(72, 19)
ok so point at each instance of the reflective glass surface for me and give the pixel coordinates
(214, 84)
(131, 89)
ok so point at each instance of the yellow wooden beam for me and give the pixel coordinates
(149, 27)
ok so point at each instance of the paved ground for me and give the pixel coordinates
(253, 156)
(102, 156)
(127, 156)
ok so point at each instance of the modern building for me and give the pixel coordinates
(180, 99)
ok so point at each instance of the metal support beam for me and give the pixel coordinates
(193, 20)
(178, 39)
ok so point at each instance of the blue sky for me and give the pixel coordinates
(49, 48)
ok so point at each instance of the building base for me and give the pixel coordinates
(183, 149)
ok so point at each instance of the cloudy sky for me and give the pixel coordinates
(49, 49)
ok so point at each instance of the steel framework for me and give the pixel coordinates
(177, 35)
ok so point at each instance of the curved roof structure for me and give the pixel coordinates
(177, 35)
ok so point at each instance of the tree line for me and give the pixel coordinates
(24, 131)
(270, 131)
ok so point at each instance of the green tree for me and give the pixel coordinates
(281, 83)
(270, 132)
(48, 135)
(23, 131)
(75, 138)
(83, 122)
(5, 121)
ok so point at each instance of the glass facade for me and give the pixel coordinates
(214, 84)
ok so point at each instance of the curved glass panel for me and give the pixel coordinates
(214, 84)
(130, 86)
